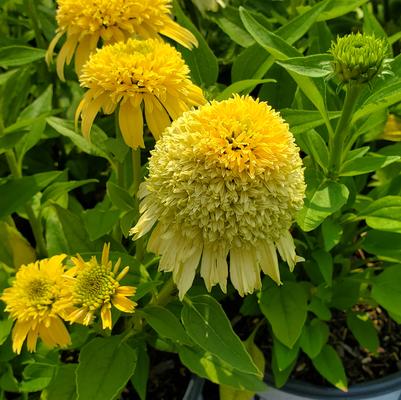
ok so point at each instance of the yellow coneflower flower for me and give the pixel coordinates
(35, 301)
(95, 286)
(127, 74)
(86, 22)
(224, 182)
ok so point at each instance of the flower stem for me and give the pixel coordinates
(165, 294)
(120, 165)
(33, 220)
(339, 139)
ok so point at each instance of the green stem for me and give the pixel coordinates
(120, 165)
(30, 6)
(136, 171)
(339, 139)
(165, 294)
(33, 220)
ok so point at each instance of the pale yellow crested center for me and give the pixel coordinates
(91, 16)
(94, 286)
(136, 67)
(229, 172)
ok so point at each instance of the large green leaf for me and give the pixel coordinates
(384, 214)
(238, 87)
(261, 59)
(323, 198)
(364, 165)
(201, 60)
(65, 233)
(15, 193)
(313, 144)
(284, 355)
(211, 367)
(337, 8)
(314, 66)
(14, 56)
(314, 337)
(105, 366)
(386, 245)
(281, 50)
(329, 365)
(63, 387)
(363, 330)
(208, 326)
(386, 289)
(285, 307)
(166, 324)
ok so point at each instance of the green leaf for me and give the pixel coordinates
(120, 197)
(99, 222)
(281, 50)
(239, 86)
(303, 120)
(261, 59)
(105, 366)
(5, 329)
(229, 393)
(14, 56)
(337, 8)
(386, 289)
(325, 263)
(66, 128)
(366, 164)
(284, 355)
(166, 324)
(314, 66)
(37, 376)
(285, 307)
(323, 198)
(330, 366)
(14, 193)
(314, 337)
(313, 144)
(345, 293)
(63, 387)
(208, 326)
(363, 330)
(65, 233)
(7, 380)
(386, 245)
(319, 308)
(331, 232)
(208, 366)
(60, 189)
(281, 377)
(140, 378)
(384, 214)
(201, 60)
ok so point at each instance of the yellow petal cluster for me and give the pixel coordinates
(35, 301)
(87, 22)
(135, 74)
(225, 182)
(95, 286)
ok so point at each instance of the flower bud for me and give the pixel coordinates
(358, 57)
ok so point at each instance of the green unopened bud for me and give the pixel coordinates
(358, 57)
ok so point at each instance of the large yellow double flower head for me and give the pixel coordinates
(86, 22)
(225, 182)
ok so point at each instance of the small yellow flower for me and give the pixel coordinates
(129, 74)
(225, 181)
(95, 286)
(35, 301)
(392, 129)
(87, 22)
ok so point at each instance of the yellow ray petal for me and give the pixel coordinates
(123, 304)
(131, 124)
(105, 315)
(156, 116)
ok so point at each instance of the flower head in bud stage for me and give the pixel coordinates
(358, 57)
(86, 22)
(130, 74)
(224, 182)
(96, 286)
(35, 301)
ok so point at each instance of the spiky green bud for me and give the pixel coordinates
(358, 57)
